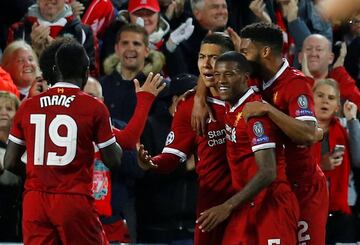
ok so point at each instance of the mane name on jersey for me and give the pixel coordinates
(61, 100)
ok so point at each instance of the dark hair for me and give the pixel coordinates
(264, 33)
(221, 39)
(242, 63)
(71, 61)
(133, 28)
(47, 59)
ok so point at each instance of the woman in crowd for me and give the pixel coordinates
(9, 183)
(337, 154)
(21, 62)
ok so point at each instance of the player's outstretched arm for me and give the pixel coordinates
(266, 174)
(12, 158)
(300, 132)
(111, 155)
(144, 159)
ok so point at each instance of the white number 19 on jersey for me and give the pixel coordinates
(68, 141)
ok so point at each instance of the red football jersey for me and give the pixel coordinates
(245, 138)
(182, 141)
(289, 91)
(58, 128)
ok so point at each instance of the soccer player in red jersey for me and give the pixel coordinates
(58, 128)
(291, 107)
(264, 210)
(211, 167)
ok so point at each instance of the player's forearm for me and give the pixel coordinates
(300, 132)
(265, 175)
(261, 180)
(130, 135)
(166, 163)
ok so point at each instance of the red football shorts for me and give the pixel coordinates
(270, 222)
(313, 200)
(60, 219)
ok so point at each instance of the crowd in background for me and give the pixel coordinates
(127, 40)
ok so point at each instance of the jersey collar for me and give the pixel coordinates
(242, 99)
(277, 75)
(64, 85)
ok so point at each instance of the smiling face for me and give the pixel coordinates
(326, 101)
(7, 112)
(131, 50)
(50, 9)
(230, 81)
(206, 61)
(213, 15)
(151, 19)
(317, 50)
(23, 68)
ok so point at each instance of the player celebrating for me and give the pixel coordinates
(264, 210)
(291, 108)
(58, 128)
(212, 167)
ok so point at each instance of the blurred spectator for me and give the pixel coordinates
(337, 162)
(144, 13)
(46, 20)
(316, 58)
(11, 11)
(239, 14)
(10, 196)
(98, 14)
(352, 39)
(210, 15)
(156, 192)
(117, 187)
(296, 18)
(132, 59)
(21, 62)
(7, 84)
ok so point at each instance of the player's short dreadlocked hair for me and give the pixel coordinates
(233, 56)
(265, 34)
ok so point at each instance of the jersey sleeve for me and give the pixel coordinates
(17, 130)
(128, 137)
(300, 100)
(104, 135)
(262, 133)
(181, 139)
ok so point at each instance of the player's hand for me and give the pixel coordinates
(350, 110)
(200, 115)
(144, 159)
(153, 84)
(235, 38)
(331, 161)
(38, 86)
(254, 109)
(210, 218)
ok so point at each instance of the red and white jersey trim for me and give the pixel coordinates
(16, 140)
(176, 152)
(106, 143)
(263, 146)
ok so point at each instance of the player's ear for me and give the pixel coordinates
(85, 77)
